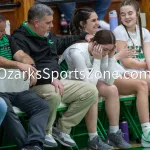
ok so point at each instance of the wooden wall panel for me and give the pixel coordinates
(146, 9)
(22, 11)
(56, 20)
(10, 15)
(17, 15)
(4, 1)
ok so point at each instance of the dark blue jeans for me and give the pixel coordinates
(101, 7)
(36, 108)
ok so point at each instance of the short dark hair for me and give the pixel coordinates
(2, 18)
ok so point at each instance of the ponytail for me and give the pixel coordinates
(81, 14)
(74, 29)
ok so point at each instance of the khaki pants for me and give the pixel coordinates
(78, 95)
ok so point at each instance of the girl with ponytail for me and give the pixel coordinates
(99, 56)
(131, 34)
(82, 17)
(86, 20)
(91, 61)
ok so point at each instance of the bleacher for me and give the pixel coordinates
(16, 12)
(128, 111)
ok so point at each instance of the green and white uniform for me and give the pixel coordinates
(121, 35)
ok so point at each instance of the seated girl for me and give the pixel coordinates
(82, 56)
(136, 38)
(85, 19)
(95, 62)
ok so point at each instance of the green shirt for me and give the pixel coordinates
(31, 32)
(139, 55)
(5, 50)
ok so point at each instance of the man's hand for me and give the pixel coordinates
(29, 71)
(58, 86)
(88, 37)
(33, 79)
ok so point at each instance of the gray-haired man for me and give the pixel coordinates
(35, 38)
